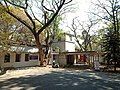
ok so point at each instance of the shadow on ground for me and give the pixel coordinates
(2, 72)
(60, 81)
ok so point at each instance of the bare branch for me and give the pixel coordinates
(68, 1)
(35, 16)
(46, 7)
(100, 16)
(52, 18)
(107, 11)
(30, 18)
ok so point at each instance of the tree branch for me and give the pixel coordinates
(30, 18)
(52, 18)
(46, 7)
(35, 16)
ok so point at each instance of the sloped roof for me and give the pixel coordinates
(25, 49)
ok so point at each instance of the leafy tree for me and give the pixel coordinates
(111, 40)
(6, 30)
(111, 46)
(48, 11)
(12, 32)
(53, 33)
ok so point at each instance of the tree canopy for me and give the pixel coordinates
(48, 11)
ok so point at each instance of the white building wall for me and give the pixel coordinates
(65, 45)
(67, 38)
(22, 62)
(70, 38)
(8, 64)
(70, 43)
(70, 47)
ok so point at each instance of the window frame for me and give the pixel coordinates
(17, 57)
(27, 58)
(32, 57)
(7, 58)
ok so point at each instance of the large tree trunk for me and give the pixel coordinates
(41, 56)
(41, 53)
(46, 52)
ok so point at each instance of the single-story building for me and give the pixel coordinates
(20, 56)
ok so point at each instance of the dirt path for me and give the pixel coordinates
(21, 72)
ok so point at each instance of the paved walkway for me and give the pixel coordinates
(47, 78)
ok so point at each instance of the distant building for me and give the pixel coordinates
(65, 44)
(64, 52)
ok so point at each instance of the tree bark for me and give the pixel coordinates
(41, 53)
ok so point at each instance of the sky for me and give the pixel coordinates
(82, 8)
(81, 11)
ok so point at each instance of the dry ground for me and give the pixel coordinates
(48, 78)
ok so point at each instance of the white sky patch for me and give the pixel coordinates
(81, 11)
(82, 7)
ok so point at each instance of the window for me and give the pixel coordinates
(18, 56)
(26, 57)
(33, 57)
(7, 58)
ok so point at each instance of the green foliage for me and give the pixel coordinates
(6, 23)
(111, 46)
(12, 32)
(57, 32)
(111, 37)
